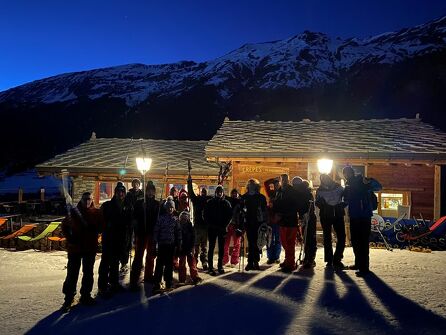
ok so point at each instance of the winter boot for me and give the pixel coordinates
(87, 300)
(221, 271)
(66, 306)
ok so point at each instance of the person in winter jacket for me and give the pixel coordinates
(307, 218)
(81, 228)
(235, 231)
(186, 251)
(217, 214)
(331, 212)
(255, 205)
(286, 208)
(273, 250)
(167, 237)
(132, 196)
(183, 205)
(357, 195)
(145, 223)
(200, 226)
(117, 216)
(173, 193)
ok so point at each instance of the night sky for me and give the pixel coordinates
(45, 38)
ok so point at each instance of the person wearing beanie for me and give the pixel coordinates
(235, 231)
(273, 250)
(200, 227)
(167, 238)
(286, 208)
(117, 215)
(81, 228)
(145, 223)
(307, 220)
(217, 214)
(186, 251)
(255, 206)
(331, 213)
(134, 194)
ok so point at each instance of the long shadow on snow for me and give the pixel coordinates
(412, 318)
(207, 308)
(352, 305)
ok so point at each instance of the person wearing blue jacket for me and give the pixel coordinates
(357, 195)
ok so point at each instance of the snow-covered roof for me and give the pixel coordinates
(111, 155)
(363, 139)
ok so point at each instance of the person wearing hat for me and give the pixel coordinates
(167, 238)
(217, 214)
(200, 227)
(134, 194)
(145, 223)
(81, 228)
(186, 251)
(273, 250)
(117, 215)
(255, 207)
(358, 195)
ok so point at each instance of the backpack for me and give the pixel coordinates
(264, 237)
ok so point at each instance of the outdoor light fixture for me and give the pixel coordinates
(324, 165)
(143, 164)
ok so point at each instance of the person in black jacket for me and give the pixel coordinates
(217, 215)
(200, 226)
(255, 205)
(331, 212)
(117, 215)
(286, 208)
(273, 250)
(235, 231)
(186, 251)
(134, 194)
(81, 228)
(144, 236)
(307, 219)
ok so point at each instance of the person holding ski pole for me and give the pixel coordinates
(286, 208)
(308, 220)
(81, 228)
(255, 204)
(144, 237)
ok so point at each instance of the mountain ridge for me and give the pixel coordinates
(309, 75)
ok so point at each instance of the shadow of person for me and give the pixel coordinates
(412, 318)
(207, 308)
(346, 308)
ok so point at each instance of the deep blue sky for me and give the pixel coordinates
(41, 38)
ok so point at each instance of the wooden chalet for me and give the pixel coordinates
(406, 155)
(98, 164)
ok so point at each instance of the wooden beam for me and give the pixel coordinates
(437, 192)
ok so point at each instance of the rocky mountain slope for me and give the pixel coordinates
(310, 75)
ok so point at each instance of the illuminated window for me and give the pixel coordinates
(391, 200)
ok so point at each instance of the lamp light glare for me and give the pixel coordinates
(324, 165)
(143, 164)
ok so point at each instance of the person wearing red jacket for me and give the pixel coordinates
(81, 228)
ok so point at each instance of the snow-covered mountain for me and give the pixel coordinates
(310, 75)
(303, 61)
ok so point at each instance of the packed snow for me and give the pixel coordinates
(404, 295)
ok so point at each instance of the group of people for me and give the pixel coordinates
(172, 233)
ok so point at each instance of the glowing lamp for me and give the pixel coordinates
(324, 165)
(143, 164)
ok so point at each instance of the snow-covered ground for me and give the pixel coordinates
(405, 295)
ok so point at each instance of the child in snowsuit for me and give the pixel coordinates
(167, 236)
(186, 251)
